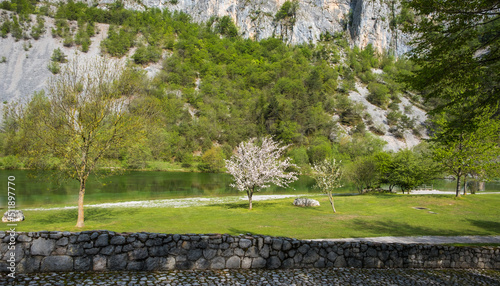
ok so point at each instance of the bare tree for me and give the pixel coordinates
(80, 119)
(255, 167)
(328, 175)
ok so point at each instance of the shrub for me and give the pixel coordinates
(58, 56)
(394, 106)
(367, 77)
(5, 28)
(119, 41)
(212, 161)
(39, 29)
(16, 30)
(378, 94)
(319, 151)
(226, 27)
(287, 10)
(144, 55)
(12, 162)
(397, 131)
(54, 67)
(378, 129)
(68, 41)
(62, 28)
(393, 117)
(299, 156)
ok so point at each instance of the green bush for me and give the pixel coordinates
(299, 156)
(393, 117)
(39, 29)
(287, 10)
(58, 56)
(5, 28)
(11, 162)
(54, 67)
(144, 55)
(212, 161)
(16, 30)
(62, 29)
(82, 38)
(119, 41)
(379, 94)
(226, 27)
(319, 150)
(137, 156)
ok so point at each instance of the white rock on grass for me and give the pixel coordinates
(13, 216)
(305, 202)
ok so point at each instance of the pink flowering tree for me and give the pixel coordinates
(254, 167)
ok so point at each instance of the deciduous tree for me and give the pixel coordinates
(464, 152)
(82, 116)
(328, 175)
(254, 167)
(457, 49)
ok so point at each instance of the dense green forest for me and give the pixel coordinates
(216, 89)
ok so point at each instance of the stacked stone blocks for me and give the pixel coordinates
(109, 251)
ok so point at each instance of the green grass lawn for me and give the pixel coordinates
(357, 216)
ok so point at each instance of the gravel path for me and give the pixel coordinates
(175, 203)
(190, 202)
(328, 276)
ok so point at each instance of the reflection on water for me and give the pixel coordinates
(133, 185)
(136, 185)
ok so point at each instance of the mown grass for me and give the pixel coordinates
(357, 216)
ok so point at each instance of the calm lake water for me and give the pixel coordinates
(132, 185)
(136, 185)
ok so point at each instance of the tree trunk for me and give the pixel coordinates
(80, 220)
(250, 193)
(330, 197)
(465, 184)
(458, 182)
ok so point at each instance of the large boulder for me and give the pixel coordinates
(305, 202)
(13, 216)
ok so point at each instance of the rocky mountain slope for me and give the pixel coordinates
(368, 21)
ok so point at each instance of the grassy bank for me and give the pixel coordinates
(358, 216)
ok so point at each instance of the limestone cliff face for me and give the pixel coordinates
(371, 24)
(367, 21)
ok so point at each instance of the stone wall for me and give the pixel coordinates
(106, 251)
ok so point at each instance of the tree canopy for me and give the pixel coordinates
(457, 47)
(82, 118)
(255, 167)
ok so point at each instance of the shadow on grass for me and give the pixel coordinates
(491, 226)
(91, 214)
(244, 205)
(393, 228)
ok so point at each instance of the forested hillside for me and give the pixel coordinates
(210, 89)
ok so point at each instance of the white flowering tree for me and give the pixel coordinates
(328, 175)
(255, 167)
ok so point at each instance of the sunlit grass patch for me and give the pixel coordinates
(357, 216)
